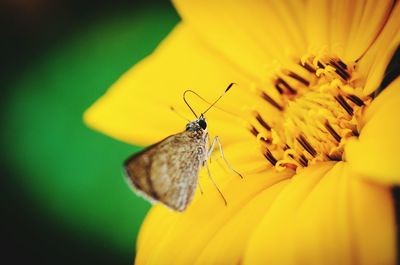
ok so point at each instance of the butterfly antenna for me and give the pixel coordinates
(184, 99)
(226, 90)
(177, 113)
(211, 104)
(206, 101)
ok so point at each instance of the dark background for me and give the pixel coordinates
(63, 200)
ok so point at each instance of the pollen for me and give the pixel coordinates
(318, 102)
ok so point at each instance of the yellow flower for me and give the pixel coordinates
(318, 147)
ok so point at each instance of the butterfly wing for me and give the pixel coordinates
(168, 171)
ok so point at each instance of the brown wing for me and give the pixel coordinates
(168, 171)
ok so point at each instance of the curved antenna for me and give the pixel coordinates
(211, 104)
(226, 90)
(184, 99)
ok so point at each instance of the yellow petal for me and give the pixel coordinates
(181, 237)
(248, 33)
(347, 28)
(318, 17)
(322, 217)
(228, 244)
(368, 19)
(137, 107)
(374, 223)
(375, 154)
(374, 63)
(253, 33)
(269, 243)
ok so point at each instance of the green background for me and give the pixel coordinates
(70, 173)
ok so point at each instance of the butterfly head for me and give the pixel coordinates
(200, 124)
(197, 125)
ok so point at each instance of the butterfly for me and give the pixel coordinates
(168, 171)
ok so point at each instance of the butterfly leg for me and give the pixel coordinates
(201, 189)
(209, 148)
(216, 140)
(215, 184)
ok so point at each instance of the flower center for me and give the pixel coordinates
(318, 104)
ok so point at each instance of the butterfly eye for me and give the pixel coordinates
(203, 124)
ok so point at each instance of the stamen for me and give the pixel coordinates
(308, 67)
(266, 141)
(334, 158)
(356, 100)
(342, 64)
(262, 122)
(254, 131)
(286, 85)
(332, 132)
(313, 124)
(355, 133)
(303, 160)
(337, 65)
(342, 74)
(299, 78)
(269, 156)
(271, 101)
(344, 104)
(340, 71)
(278, 88)
(306, 145)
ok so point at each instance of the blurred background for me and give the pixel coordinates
(64, 200)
